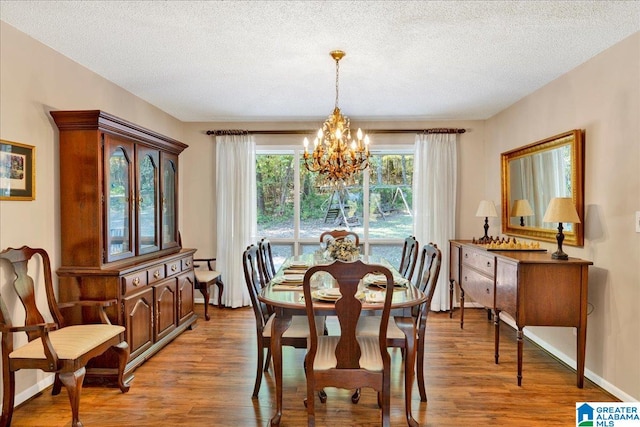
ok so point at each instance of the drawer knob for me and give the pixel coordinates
(488, 263)
(174, 267)
(156, 274)
(488, 292)
(188, 263)
(136, 281)
(466, 255)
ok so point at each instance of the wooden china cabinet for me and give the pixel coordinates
(119, 232)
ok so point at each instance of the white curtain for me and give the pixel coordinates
(434, 201)
(236, 212)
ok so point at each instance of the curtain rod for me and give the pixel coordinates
(308, 132)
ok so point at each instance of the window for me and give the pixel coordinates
(293, 210)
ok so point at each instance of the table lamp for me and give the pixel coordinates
(521, 208)
(486, 209)
(561, 209)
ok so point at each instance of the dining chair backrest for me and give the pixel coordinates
(339, 234)
(254, 285)
(428, 273)
(348, 276)
(268, 268)
(409, 258)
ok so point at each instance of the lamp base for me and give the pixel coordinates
(559, 255)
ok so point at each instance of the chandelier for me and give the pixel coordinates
(336, 156)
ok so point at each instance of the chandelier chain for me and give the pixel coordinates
(337, 80)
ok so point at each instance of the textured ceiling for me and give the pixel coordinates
(269, 60)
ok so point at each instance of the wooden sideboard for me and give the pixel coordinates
(529, 286)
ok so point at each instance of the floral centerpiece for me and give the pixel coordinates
(343, 249)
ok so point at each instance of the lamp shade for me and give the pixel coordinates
(521, 207)
(561, 209)
(486, 209)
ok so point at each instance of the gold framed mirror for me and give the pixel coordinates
(538, 172)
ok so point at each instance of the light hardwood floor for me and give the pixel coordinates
(205, 378)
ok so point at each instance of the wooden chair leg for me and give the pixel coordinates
(73, 383)
(220, 290)
(8, 396)
(57, 386)
(204, 290)
(420, 368)
(122, 350)
(256, 387)
(267, 360)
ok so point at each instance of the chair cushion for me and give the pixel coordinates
(70, 342)
(370, 358)
(299, 327)
(370, 326)
(206, 276)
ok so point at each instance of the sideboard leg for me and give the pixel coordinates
(520, 346)
(496, 334)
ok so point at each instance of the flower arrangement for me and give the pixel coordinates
(343, 249)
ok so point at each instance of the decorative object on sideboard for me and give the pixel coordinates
(521, 208)
(508, 244)
(486, 209)
(336, 156)
(561, 209)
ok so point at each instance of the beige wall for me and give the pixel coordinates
(601, 96)
(34, 80)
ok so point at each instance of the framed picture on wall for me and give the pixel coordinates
(17, 171)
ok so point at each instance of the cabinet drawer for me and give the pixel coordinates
(173, 267)
(481, 261)
(187, 263)
(135, 281)
(156, 273)
(478, 287)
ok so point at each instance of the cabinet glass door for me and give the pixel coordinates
(118, 207)
(168, 222)
(148, 190)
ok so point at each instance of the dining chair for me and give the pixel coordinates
(409, 258)
(348, 360)
(428, 273)
(295, 336)
(339, 234)
(52, 345)
(204, 279)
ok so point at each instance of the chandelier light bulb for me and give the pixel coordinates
(338, 134)
(359, 134)
(305, 142)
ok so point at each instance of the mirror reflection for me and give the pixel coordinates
(533, 175)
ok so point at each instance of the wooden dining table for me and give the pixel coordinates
(290, 302)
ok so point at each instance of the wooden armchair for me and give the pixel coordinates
(428, 273)
(52, 347)
(204, 279)
(295, 336)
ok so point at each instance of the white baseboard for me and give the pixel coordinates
(33, 390)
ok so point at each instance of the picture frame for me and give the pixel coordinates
(17, 171)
